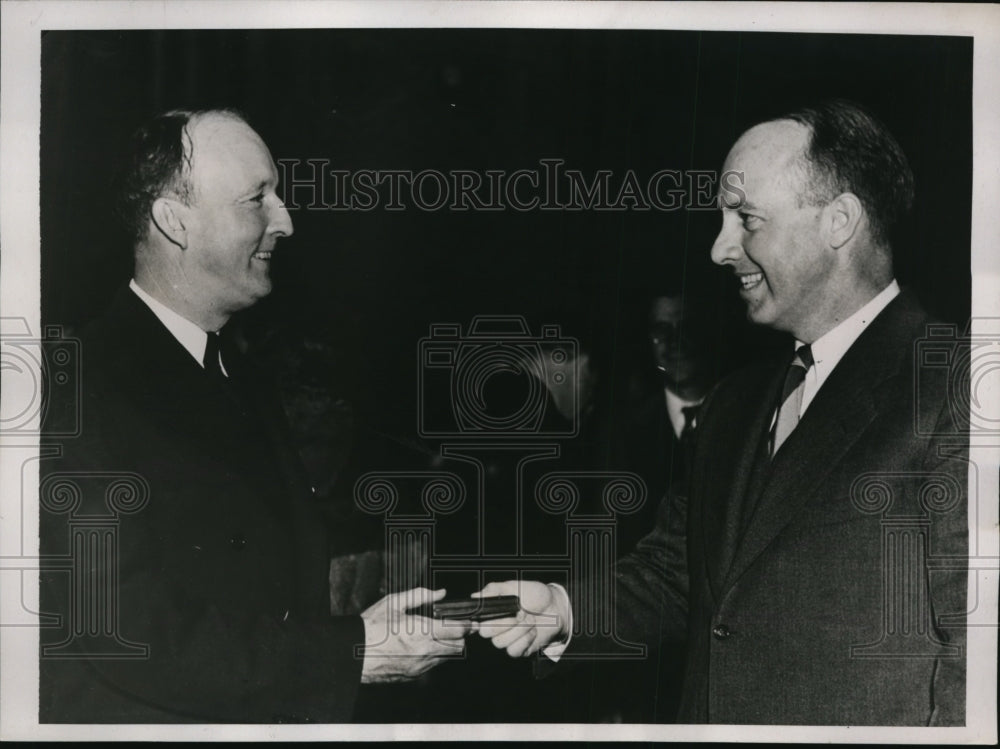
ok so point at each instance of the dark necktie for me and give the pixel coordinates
(791, 398)
(220, 352)
(685, 442)
(690, 415)
(211, 358)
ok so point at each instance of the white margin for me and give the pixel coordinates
(20, 25)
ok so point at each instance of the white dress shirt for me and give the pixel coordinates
(675, 410)
(829, 349)
(187, 333)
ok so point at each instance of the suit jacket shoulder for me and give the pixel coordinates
(221, 564)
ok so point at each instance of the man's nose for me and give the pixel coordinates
(728, 246)
(281, 222)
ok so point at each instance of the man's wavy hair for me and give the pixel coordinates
(850, 150)
(158, 162)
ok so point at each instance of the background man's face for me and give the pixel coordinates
(673, 335)
(770, 240)
(235, 217)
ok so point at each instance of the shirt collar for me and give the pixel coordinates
(187, 333)
(829, 349)
(675, 406)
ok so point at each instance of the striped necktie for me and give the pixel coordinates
(791, 398)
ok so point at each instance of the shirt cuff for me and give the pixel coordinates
(554, 650)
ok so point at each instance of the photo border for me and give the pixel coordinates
(20, 108)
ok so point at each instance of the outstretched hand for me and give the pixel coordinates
(401, 646)
(544, 618)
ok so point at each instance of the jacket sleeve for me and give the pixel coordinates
(649, 594)
(207, 660)
(652, 581)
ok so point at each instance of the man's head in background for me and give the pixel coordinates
(198, 199)
(808, 202)
(679, 339)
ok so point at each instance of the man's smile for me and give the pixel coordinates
(750, 281)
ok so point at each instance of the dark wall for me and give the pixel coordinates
(368, 284)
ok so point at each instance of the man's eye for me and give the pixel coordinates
(258, 198)
(750, 221)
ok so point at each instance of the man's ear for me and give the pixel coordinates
(841, 218)
(169, 216)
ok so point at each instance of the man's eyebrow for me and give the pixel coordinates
(739, 203)
(258, 187)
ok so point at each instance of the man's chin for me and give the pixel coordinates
(679, 375)
(759, 312)
(260, 288)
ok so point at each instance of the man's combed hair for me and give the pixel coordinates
(158, 163)
(850, 150)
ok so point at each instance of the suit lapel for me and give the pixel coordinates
(745, 430)
(841, 411)
(260, 395)
(158, 373)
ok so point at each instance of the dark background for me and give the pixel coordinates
(369, 283)
(355, 291)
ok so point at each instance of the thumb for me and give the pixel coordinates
(497, 589)
(419, 596)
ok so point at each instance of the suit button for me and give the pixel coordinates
(721, 632)
(238, 541)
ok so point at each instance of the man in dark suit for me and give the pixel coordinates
(678, 338)
(815, 570)
(656, 441)
(186, 555)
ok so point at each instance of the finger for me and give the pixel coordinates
(521, 646)
(450, 629)
(506, 588)
(454, 646)
(425, 594)
(488, 590)
(508, 638)
(495, 627)
(439, 647)
(443, 647)
(419, 596)
(512, 635)
(516, 647)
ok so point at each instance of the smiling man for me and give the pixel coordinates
(210, 256)
(806, 259)
(210, 602)
(815, 571)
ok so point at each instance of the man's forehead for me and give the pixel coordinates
(762, 160)
(779, 138)
(213, 124)
(226, 150)
(667, 308)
